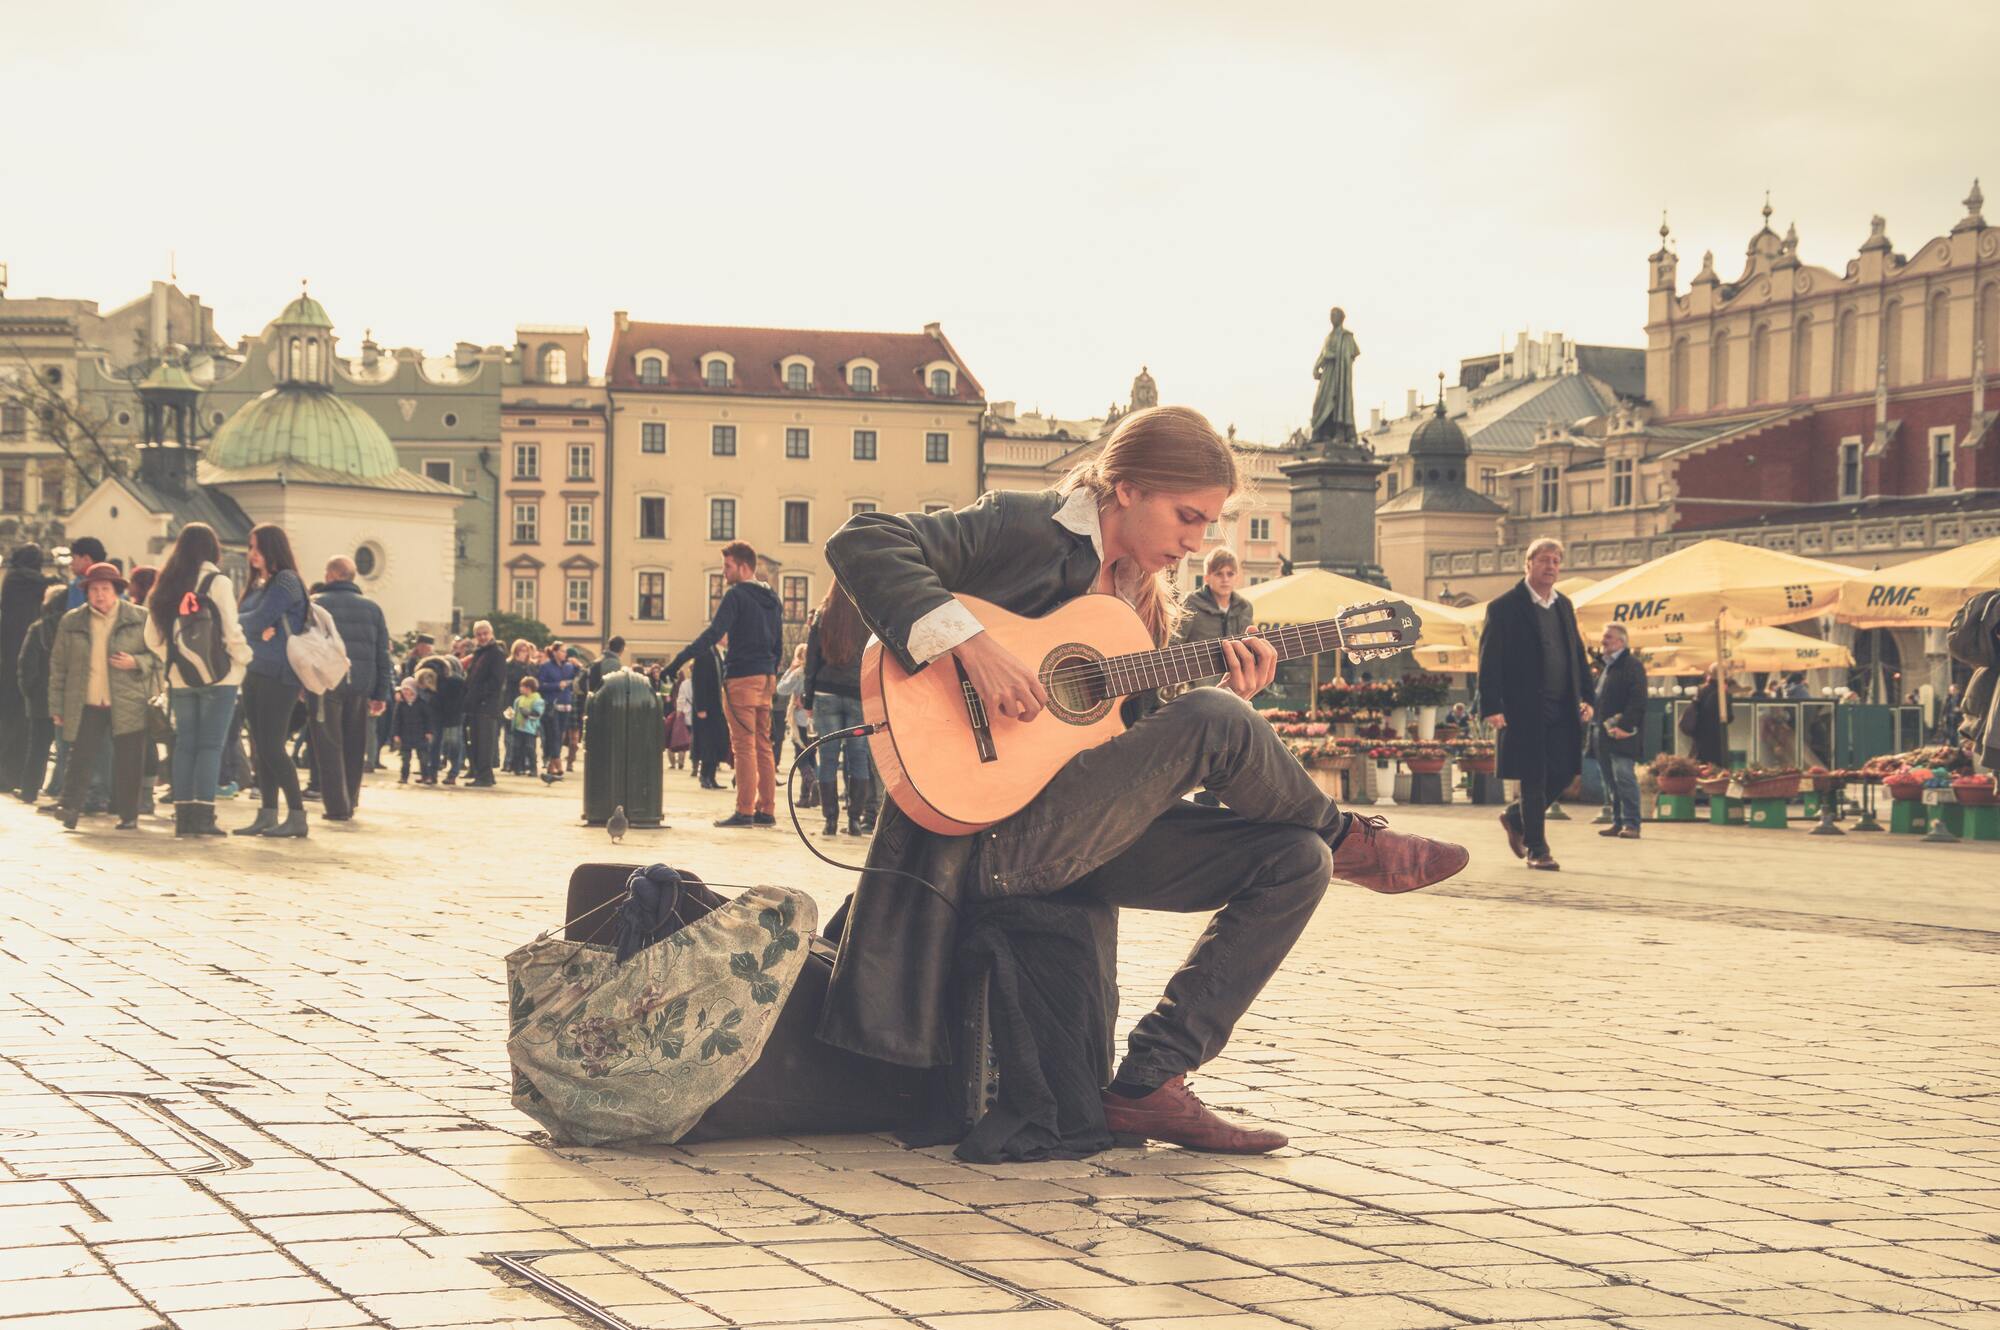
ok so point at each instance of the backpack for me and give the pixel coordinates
(315, 652)
(195, 648)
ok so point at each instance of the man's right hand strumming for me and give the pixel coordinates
(1003, 683)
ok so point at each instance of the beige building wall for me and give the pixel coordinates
(554, 464)
(709, 496)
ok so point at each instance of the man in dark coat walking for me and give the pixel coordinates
(342, 718)
(485, 700)
(20, 605)
(1532, 676)
(1621, 711)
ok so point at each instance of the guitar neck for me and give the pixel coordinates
(1185, 662)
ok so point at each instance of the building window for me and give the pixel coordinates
(523, 601)
(652, 517)
(864, 445)
(716, 586)
(861, 379)
(1260, 528)
(1850, 468)
(722, 440)
(579, 523)
(438, 469)
(13, 489)
(13, 419)
(860, 506)
(798, 521)
(527, 461)
(795, 377)
(716, 373)
(722, 519)
(54, 477)
(652, 371)
(653, 437)
(652, 599)
(937, 447)
(1551, 490)
(576, 600)
(1489, 479)
(579, 461)
(798, 443)
(797, 596)
(1621, 482)
(940, 383)
(555, 365)
(451, 420)
(1394, 483)
(527, 523)
(1941, 459)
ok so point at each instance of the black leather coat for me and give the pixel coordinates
(1510, 684)
(889, 996)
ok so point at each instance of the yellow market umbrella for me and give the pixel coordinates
(1713, 584)
(1761, 648)
(1570, 586)
(1317, 594)
(1924, 592)
(1447, 660)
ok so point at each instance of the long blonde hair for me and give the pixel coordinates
(1162, 450)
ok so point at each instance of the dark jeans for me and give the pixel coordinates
(267, 714)
(340, 748)
(128, 752)
(554, 722)
(485, 746)
(1113, 823)
(35, 759)
(1621, 787)
(447, 749)
(13, 734)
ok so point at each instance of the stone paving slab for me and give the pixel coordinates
(1715, 1078)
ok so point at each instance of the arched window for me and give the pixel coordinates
(1892, 340)
(1677, 378)
(1760, 363)
(1937, 337)
(862, 379)
(292, 366)
(1718, 372)
(652, 371)
(1989, 325)
(1846, 353)
(312, 358)
(940, 383)
(1802, 352)
(795, 377)
(555, 365)
(716, 373)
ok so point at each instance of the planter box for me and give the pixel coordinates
(1425, 766)
(1772, 787)
(1975, 793)
(1677, 785)
(1904, 791)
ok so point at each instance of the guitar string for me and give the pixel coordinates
(1199, 656)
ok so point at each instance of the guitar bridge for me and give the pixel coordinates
(975, 712)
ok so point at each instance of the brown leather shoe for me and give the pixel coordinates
(1517, 840)
(1372, 856)
(1544, 862)
(1630, 833)
(1172, 1114)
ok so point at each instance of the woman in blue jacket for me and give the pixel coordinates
(557, 680)
(270, 612)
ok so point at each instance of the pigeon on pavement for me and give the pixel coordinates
(618, 826)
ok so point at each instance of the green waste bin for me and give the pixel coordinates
(624, 737)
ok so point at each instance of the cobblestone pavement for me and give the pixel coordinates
(1717, 1078)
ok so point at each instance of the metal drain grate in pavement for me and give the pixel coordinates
(640, 1287)
(106, 1134)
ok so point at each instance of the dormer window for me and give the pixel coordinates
(940, 383)
(555, 365)
(652, 370)
(862, 379)
(716, 374)
(795, 377)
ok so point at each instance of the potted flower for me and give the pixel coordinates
(1424, 693)
(1476, 756)
(1710, 780)
(1675, 774)
(1765, 783)
(1425, 759)
(1907, 784)
(1975, 791)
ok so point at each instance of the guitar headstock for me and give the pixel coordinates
(1378, 629)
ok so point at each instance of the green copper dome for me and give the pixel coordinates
(302, 423)
(305, 312)
(169, 377)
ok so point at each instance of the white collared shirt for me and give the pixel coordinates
(951, 623)
(1548, 604)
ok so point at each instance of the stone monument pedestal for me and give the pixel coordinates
(1333, 512)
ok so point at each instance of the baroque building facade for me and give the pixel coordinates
(555, 476)
(774, 436)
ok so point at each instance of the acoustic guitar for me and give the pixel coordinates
(956, 768)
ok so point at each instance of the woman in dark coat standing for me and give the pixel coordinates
(711, 726)
(1711, 737)
(1532, 677)
(20, 605)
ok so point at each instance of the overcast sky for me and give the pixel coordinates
(1072, 189)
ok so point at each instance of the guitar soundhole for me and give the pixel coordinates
(1075, 685)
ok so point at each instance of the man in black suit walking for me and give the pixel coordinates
(1532, 677)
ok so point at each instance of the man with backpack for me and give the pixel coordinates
(342, 720)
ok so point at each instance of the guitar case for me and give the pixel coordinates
(799, 1085)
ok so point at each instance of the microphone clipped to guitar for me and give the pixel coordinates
(955, 769)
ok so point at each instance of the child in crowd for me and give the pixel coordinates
(411, 729)
(526, 728)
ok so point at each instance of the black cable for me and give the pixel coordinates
(792, 806)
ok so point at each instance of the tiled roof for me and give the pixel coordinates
(1910, 505)
(1504, 415)
(199, 504)
(901, 358)
(294, 472)
(1441, 499)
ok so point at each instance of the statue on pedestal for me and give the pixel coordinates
(1333, 406)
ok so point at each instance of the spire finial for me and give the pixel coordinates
(1663, 228)
(1440, 401)
(1767, 210)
